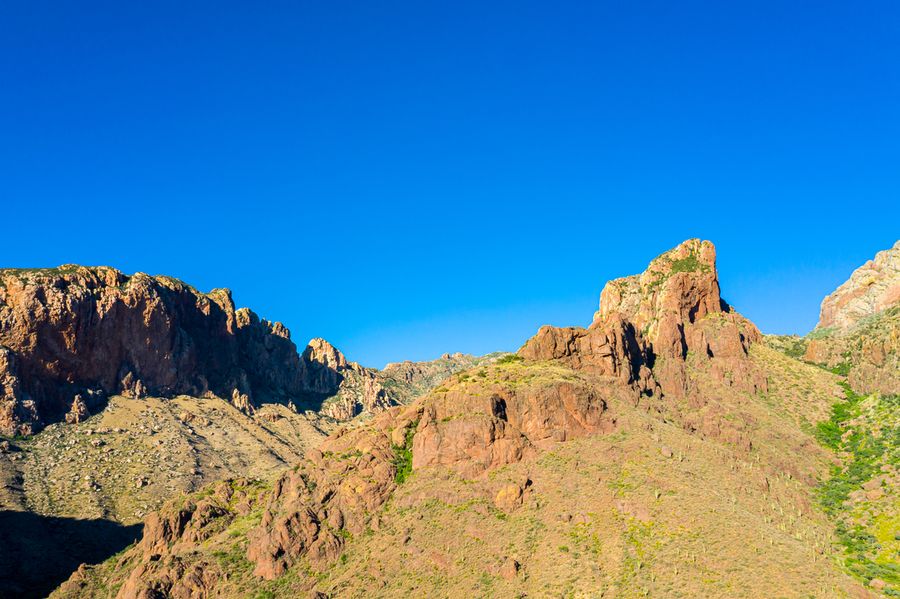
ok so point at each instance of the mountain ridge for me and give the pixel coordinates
(665, 354)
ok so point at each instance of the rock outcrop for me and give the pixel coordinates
(858, 333)
(657, 322)
(350, 389)
(872, 288)
(71, 336)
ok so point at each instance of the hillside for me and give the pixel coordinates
(662, 451)
(120, 392)
(858, 336)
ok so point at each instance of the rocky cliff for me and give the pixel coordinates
(664, 353)
(651, 328)
(350, 389)
(74, 335)
(858, 333)
(871, 288)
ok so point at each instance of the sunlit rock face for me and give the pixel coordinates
(71, 336)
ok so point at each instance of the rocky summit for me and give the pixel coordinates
(73, 336)
(858, 331)
(872, 288)
(668, 449)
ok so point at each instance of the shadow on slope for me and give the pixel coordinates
(38, 553)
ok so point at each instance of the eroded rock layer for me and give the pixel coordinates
(660, 322)
(665, 335)
(71, 336)
(858, 333)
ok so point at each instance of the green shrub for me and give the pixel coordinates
(510, 359)
(403, 455)
(866, 439)
(689, 264)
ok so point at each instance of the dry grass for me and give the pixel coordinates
(130, 458)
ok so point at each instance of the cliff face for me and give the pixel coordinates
(663, 341)
(872, 288)
(351, 389)
(651, 328)
(859, 326)
(71, 336)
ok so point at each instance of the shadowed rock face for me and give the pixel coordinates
(351, 389)
(37, 553)
(72, 335)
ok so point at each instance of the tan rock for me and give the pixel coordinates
(871, 288)
(508, 498)
(510, 569)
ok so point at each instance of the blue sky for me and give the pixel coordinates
(410, 178)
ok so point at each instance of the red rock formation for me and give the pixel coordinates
(351, 388)
(859, 326)
(656, 320)
(473, 432)
(610, 348)
(94, 331)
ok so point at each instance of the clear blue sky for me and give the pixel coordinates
(410, 178)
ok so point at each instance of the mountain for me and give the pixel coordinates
(872, 288)
(120, 392)
(859, 326)
(664, 450)
(858, 336)
(351, 390)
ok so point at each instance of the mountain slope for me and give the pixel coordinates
(661, 451)
(120, 392)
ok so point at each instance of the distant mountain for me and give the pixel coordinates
(872, 288)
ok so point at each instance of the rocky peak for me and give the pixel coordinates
(872, 288)
(859, 326)
(679, 286)
(321, 351)
(655, 320)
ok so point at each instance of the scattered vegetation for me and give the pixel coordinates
(403, 455)
(790, 345)
(865, 431)
(510, 359)
(689, 264)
